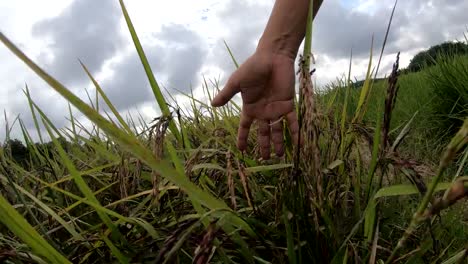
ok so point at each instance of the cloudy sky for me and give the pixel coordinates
(183, 40)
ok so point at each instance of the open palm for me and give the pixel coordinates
(266, 83)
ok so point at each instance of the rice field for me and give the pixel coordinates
(367, 185)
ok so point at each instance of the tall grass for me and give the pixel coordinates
(434, 99)
(179, 191)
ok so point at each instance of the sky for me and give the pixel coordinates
(183, 40)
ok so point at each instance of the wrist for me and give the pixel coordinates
(283, 44)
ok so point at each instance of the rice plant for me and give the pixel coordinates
(177, 190)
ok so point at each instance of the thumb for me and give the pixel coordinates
(231, 88)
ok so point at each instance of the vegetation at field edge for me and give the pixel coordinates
(177, 190)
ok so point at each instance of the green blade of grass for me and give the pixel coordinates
(77, 203)
(268, 167)
(20, 227)
(255, 169)
(289, 237)
(106, 99)
(365, 88)
(403, 133)
(409, 189)
(180, 169)
(458, 142)
(72, 121)
(97, 207)
(180, 241)
(375, 157)
(129, 142)
(461, 166)
(38, 157)
(84, 188)
(210, 166)
(66, 178)
(232, 220)
(369, 219)
(385, 39)
(230, 54)
(344, 112)
(348, 238)
(149, 73)
(52, 213)
(457, 258)
(10, 180)
(112, 157)
(115, 251)
(44, 116)
(33, 113)
(91, 102)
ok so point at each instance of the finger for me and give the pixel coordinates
(231, 88)
(243, 133)
(293, 127)
(264, 138)
(277, 137)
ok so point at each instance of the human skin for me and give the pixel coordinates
(266, 79)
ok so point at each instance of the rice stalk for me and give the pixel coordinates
(456, 144)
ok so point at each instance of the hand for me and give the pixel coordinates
(266, 83)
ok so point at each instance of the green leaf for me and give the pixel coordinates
(52, 213)
(149, 73)
(369, 219)
(409, 189)
(84, 188)
(128, 142)
(106, 100)
(457, 257)
(289, 236)
(21, 228)
(180, 241)
(98, 207)
(365, 88)
(335, 164)
(268, 167)
(210, 166)
(230, 53)
(403, 133)
(33, 113)
(340, 256)
(115, 251)
(375, 157)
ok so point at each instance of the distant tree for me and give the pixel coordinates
(430, 56)
(18, 151)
